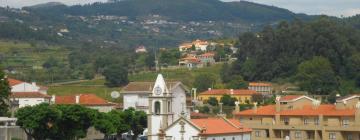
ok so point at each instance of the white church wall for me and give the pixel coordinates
(174, 131)
(130, 100)
(178, 101)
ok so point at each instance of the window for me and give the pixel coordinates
(345, 122)
(349, 137)
(332, 136)
(257, 134)
(224, 139)
(306, 121)
(157, 107)
(285, 121)
(233, 138)
(316, 121)
(298, 134)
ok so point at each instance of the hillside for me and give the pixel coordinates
(185, 10)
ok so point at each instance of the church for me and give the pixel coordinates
(166, 123)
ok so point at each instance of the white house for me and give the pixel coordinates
(136, 95)
(21, 86)
(27, 94)
(87, 100)
(218, 128)
(29, 98)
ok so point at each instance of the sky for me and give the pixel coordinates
(314, 7)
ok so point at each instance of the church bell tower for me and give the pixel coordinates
(160, 112)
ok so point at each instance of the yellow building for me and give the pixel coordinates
(242, 95)
(299, 117)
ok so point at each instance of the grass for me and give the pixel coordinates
(184, 75)
(101, 91)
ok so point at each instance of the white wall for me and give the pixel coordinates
(25, 87)
(178, 101)
(30, 101)
(230, 137)
(102, 108)
(133, 99)
(174, 131)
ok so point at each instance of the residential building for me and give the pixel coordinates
(21, 86)
(302, 117)
(207, 58)
(244, 96)
(141, 49)
(87, 100)
(190, 62)
(29, 98)
(136, 95)
(261, 87)
(198, 44)
(218, 128)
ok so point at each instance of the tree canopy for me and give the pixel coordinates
(4, 93)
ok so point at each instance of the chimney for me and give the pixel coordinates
(231, 91)
(77, 99)
(237, 107)
(209, 89)
(277, 106)
(316, 104)
(53, 99)
(255, 107)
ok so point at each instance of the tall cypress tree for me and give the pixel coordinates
(5, 92)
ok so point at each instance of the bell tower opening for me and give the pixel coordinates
(157, 107)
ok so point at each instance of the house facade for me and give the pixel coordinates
(190, 62)
(199, 45)
(207, 58)
(21, 86)
(88, 100)
(261, 87)
(302, 117)
(243, 96)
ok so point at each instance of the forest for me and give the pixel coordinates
(321, 56)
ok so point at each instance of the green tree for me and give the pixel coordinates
(317, 76)
(105, 124)
(212, 101)
(227, 100)
(50, 63)
(150, 60)
(225, 73)
(116, 75)
(74, 122)
(4, 93)
(204, 81)
(137, 121)
(237, 82)
(39, 121)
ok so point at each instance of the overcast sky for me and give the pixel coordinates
(328, 7)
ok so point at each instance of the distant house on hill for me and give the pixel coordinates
(207, 58)
(261, 87)
(190, 62)
(87, 100)
(141, 49)
(199, 45)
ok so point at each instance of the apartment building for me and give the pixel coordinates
(261, 87)
(243, 96)
(297, 117)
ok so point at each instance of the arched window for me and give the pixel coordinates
(169, 106)
(157, 107)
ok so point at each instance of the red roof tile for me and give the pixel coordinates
(208, 54)
(29, 95)
(85, 99)
(214, 126)
(228, 91)
(289, 97)
(259, 84)
(13, 82)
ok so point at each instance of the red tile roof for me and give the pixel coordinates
(228, 91)
(13, 82)
(307, 110)
(259, 84)
(29, 95)
(208, 54)
(85, 99)
(215, 126)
